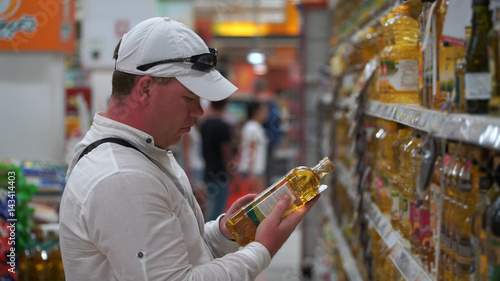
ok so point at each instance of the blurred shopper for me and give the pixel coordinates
(253, 147)
(128, 211)
(218, 154)
(273, 124)
(194, 164)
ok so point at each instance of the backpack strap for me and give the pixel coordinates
(95, 144)
(125, 143)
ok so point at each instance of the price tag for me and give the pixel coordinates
(407, 264)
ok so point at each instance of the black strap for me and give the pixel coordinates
(95, 144)
(125, 143)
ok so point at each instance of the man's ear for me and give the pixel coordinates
(143, 89)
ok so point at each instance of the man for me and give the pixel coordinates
(128, 211)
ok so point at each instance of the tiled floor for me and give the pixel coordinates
(286, 263)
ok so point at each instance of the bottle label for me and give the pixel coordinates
(415, 220)
(402, 74)
(477, 86)
(261, 210)
(405, 214)
(425, 228)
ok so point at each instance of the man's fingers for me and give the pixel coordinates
(280, 209)
(300, 213)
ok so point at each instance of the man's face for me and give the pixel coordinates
(173, 110)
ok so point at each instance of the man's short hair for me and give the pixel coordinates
(123, 83)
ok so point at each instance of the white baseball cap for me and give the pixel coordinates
(157, 41)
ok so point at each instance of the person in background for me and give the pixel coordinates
(194, 164)
(253, 147)
(218, 154)
(273, 125)
(128, 211)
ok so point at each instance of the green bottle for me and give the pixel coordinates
(477, 76)
(494, 51)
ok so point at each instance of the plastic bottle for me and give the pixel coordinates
(404, 135)
(407, 187)
(493, 225)
(451, 215)
(482, 182)
(467, 196)
(384, 165)
(301, 184)
(402, 59)
(494, 241)
(55, 270)
(428, 222)
(415, 200)
(445, 240)
(388, 41)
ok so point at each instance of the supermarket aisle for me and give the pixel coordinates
(286, 263)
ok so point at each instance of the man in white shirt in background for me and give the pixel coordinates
(128, 211)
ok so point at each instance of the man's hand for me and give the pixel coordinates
(238, 204)
(274, 230)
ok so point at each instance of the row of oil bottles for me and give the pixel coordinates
(447, 201)
(41, 260)
(418, 64)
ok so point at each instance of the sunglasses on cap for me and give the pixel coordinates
(203, 62)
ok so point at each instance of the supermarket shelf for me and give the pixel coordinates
(478, 130)
(348, 262)
(361, 23)
(346, 176)
(402, 258)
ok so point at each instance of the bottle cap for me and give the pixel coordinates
(404, 9)
(327, 164)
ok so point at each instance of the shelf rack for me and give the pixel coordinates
(348, 261)
(407, 264)
(474, 129)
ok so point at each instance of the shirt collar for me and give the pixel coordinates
(107, 127)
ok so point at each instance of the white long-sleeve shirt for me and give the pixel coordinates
(124, 218)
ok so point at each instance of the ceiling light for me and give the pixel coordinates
(256, 57)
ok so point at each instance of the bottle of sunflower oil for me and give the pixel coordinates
(402, 59)
(384, 164)
(493, 234)
(403, 135)
(483, 182)
(415, 200)
(387, 44)
(488, 242)
(467, 196)
(428, 221)
(301, 184)
(453, 218)
(408, 184)
(445, 239)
